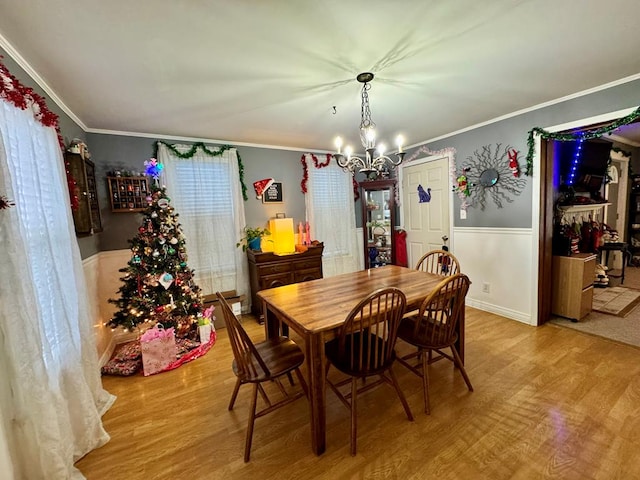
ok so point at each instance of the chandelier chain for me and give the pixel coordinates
(365, 114)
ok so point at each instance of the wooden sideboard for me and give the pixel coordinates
(573, 285)
(268, 270)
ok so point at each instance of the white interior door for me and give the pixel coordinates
(426, 223)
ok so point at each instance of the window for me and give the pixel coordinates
(330, 210)
(205, 192)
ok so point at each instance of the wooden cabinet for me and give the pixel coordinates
(268, 270)
(378, 218)
(128, 194)
(572, 290)
(86, 217)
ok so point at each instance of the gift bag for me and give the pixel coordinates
(158, 346)
(205, 332)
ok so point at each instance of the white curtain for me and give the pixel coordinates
(205, 190)
(51, 394)
(331, 214)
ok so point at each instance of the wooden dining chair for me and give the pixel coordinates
(365, 347)
(434, 328)
(258, 363)
(440, 262)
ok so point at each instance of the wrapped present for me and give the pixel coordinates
(158, 346)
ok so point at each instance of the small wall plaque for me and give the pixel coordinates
(273, 194)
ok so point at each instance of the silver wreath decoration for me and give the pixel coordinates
(488, 172)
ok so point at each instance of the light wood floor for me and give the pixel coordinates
(549, 402)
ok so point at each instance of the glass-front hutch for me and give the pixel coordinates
(378, 218)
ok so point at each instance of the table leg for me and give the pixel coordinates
(316, 368)
(271, 322)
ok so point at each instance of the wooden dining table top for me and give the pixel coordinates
(322, 305)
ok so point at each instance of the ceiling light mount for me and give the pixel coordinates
(375, 162)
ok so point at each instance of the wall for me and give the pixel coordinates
(113, 152)
(496, 246)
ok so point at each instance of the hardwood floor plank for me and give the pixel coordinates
(549, 403)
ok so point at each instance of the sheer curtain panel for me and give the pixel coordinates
(205, 190)
(51, 393)
(331, 214)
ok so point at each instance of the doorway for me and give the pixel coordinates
(426, 204)
(545, 186)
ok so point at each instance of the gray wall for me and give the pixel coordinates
(514, 132)
(117, 152)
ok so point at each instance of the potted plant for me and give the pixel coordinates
(252, 238)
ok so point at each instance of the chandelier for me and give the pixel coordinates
(374, 162)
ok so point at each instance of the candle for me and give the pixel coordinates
(308, 234)
(300, 235)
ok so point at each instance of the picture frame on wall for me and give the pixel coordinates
(273, 194)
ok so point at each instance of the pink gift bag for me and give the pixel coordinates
(158, 347)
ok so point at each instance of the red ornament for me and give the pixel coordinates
(142, 230)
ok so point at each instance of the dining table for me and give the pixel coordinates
(315, 310)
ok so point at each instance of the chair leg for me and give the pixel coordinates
(290, 379)
(234, 395)
(354, 396)
(458, 362)
(252, 418)
(303, 382)
(425, 384)
(263, 394)
(396, 385)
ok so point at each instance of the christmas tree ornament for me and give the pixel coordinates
(173, 241)
(171, 251)
(166, 279)
(154, 215)
(155, 253)
(135, 260)
(161, 240)
(141, 229)
(164, 203)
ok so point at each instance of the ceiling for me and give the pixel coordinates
(282, 73)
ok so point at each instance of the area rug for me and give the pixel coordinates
(618, 301)
(620, 329)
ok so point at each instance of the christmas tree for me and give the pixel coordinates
(158, 286)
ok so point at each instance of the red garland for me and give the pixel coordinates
(317, 164)
(305, 168)
(25, 97)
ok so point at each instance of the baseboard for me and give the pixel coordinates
(498, 310)
(116, 340)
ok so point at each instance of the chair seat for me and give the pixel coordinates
(281, 355)
(353, 350)
(427, 335)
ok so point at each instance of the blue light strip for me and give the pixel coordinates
(575, 162)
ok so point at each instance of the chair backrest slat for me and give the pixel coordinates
(441, 310)
(440, 262)
(248, 360)
(370, 330)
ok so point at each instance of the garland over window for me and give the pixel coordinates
(25, 97)
(574, 136)
(213, 153)
(318, 164)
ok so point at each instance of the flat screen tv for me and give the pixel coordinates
(591, 168)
